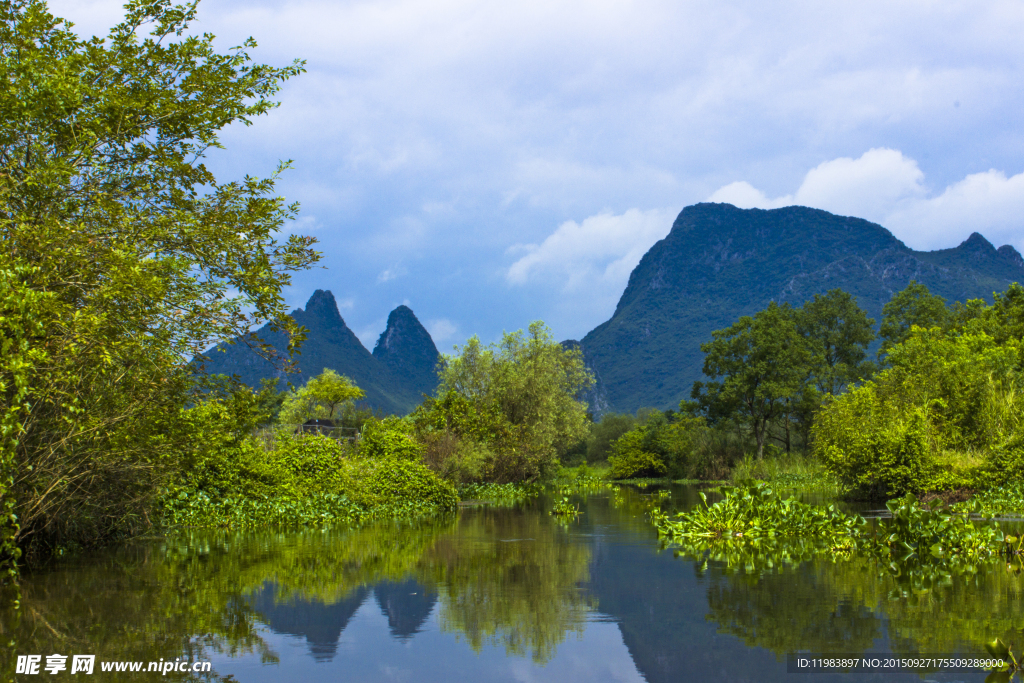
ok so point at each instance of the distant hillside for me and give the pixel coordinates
(395, 376)
(719, 263)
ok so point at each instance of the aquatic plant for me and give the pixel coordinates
(500, 493)
(582, 479)
(754, 528)
(999, 500)
(564, 507)
(753, 511)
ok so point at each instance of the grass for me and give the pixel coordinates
(791, 470)
(503, 494)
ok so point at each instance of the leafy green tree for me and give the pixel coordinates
(101, 161)
(914, 305)
(517, 396)
(763, 362)
(319, 398)
(840, 332)
(1009, 312)
(605, 432)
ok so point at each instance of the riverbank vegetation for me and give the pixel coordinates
(109, 425)
(793, 399)
(754, 527)
(103, 144)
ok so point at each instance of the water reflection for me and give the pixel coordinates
(406, 605)
(494, 594)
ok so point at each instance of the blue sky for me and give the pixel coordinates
(489, 164)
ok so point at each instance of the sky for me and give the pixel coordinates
(489, 164)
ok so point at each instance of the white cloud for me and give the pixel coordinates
(989, 203)
(391, 273)
(889, 188)
(586, 265)
(600, 252)
(443, 331)
(745, 196)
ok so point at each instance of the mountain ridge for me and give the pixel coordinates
(394, 380)
(719, 262)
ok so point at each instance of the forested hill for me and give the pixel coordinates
(395, 376)
(719, 263)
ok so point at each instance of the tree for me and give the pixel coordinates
(839, 331)
(763, 363)
(519, 396)
(319, 398)
(912, 306)
(101, 161)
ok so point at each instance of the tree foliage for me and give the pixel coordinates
(758, 367)
(519, 397)
(946, 414)
(319, 398)
(839, 332)
(912, 306)
(101, 161)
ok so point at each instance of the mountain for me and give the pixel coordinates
(394, 377)
(719, 263)
(406, 350)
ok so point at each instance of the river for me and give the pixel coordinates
(491, 594)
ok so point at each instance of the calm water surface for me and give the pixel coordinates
(494, 594)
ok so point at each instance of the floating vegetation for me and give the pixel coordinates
(582, 479)
(644, 482)
(564, 507)
(1001, 500)
(755, 511)
(928, 546)
(508, 494)
(754, 528)
(198, 510)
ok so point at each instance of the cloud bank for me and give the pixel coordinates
(885, 186)
(438, 136)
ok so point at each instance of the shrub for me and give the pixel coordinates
(874, 445)
(392, 483)
(389, 438)
(458, 460)
(302, 480)
(604, 433)
(636, 464)
(658, 447)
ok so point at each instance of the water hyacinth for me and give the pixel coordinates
(755, 511)
(753, 528)
(499, 493)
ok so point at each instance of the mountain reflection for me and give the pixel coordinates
(320, 624)
(406, 605)
(505, 582)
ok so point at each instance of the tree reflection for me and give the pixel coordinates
(788, 611)
(196, 594)
(843, 606)
(513, 580)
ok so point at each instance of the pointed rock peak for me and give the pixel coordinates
(976, 243)
(403, 330)
(322, 306)
(1011, 255)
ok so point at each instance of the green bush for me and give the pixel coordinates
(636, 464)
(389, 438)
(394, 482)
(876, 446)
(1005, 463)
(658, 447)
(302, 480)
